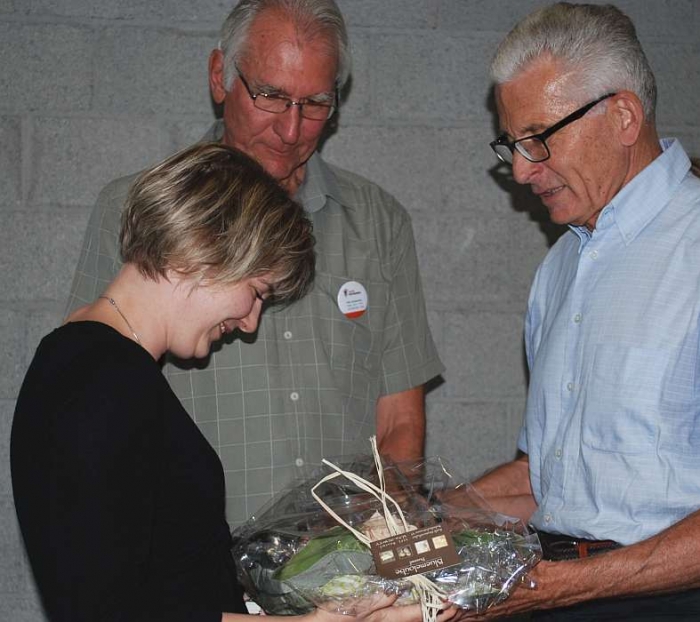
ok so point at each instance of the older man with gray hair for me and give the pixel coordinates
(351, 358)
(609, 472)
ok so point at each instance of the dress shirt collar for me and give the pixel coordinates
(319, 185)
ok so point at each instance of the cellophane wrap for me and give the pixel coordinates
(293, 556)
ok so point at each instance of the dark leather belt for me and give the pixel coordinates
(557, 547)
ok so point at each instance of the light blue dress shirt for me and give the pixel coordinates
(612, 425)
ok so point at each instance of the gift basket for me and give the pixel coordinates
(360, 527)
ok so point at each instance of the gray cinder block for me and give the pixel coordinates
(388, 13)
(468, 260)
(10, 163)
(152, 71)
(12, 360)
(473, 436)
(39, 251)
(45, 67)
(484, 356)
(72, 159)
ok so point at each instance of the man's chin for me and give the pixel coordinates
(559, 211)
(558, 214)
(282, 168)
(280, 171)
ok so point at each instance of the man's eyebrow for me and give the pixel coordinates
(268, 88)
(534, 128)
(322, 97)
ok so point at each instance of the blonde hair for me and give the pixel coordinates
(211, 213)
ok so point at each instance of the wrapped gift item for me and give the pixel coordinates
(360, 527)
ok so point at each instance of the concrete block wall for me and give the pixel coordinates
(93, 89)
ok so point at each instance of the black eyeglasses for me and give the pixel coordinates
(277, 104)
(534, 148)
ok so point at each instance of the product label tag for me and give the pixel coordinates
(352, 299)
(414, 552)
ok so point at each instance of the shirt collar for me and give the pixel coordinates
(319, 181)
(319, 185)
(641, 200)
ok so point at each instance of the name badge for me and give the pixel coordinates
(352, 299)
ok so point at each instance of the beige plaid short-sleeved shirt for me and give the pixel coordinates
(306, 385)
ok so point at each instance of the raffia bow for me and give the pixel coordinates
(432, 599)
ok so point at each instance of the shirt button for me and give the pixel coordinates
(287, 334)
(299, 462)
(594, 255)
(577, 318)
(557, 453)
(570, 386)
(547, 518)
(294, 396)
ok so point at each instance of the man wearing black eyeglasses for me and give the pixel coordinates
(609, 464)
(350, 359)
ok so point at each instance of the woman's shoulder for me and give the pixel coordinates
(93, 356)
(88, 339)
(85, 372)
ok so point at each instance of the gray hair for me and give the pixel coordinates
(597, 43)
(312, 17)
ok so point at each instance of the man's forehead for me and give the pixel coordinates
(534, 100)
(276, 43)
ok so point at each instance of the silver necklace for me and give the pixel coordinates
(119, 311)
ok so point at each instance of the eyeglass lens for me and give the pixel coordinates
(534, 149)
(278, 104)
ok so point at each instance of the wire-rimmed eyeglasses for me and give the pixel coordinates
(277, 103)
(534, 147)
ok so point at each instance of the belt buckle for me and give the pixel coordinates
(558, 547)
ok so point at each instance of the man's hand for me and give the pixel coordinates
(522, 599)
(666, 563)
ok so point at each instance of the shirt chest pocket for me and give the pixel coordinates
(351, 337)
(638, 400)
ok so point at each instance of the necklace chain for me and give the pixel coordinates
(119, 311)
